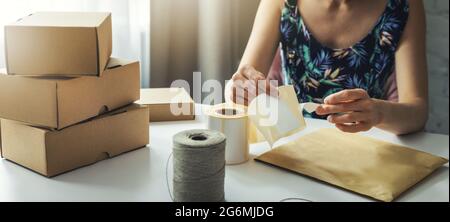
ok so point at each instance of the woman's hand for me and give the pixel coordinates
(351, 111)
(247, 84)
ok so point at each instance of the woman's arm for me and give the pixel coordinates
(265, 36)
(410, 114)
(259, 53)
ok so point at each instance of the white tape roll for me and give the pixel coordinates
(242, 125)
(231, 120)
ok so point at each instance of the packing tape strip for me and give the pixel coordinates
(244, 125)
(276, 118)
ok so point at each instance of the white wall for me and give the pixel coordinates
(438, 44)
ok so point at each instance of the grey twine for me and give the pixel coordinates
(199, 166)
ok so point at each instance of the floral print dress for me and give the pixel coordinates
(317, 71)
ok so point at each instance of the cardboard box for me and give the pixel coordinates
(51, 153)
(59, 43)
(161, 100)
(59, 102)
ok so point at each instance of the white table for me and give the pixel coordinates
(141, 175)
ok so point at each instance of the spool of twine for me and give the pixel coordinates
(199, 166)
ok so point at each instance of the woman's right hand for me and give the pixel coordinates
(248, 83)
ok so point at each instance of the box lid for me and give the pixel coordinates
(59, 43)
(63, 19)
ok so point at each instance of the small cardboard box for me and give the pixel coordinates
(58, 102)
(168, 104)
(59, 43)
(51, 153)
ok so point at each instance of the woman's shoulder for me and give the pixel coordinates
(274, 4)
(392, 24)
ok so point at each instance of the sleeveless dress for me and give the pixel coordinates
(317, 71)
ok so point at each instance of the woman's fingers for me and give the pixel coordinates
(351, 110)
(258, 82)
(248, 87)
(242, 100)
(271, 88)
(249, 83)
(353, 100)
(346, 96)
(354, 128)
(353, 117)
(251, 73)
(357, 106)
(239, 95)
(243, 93)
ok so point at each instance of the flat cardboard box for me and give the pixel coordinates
(51, 153)
(59, 102)
(59, 43)
(160, 100)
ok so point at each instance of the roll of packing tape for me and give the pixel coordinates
(266, 119)
(232, 120)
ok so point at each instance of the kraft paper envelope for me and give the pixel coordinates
(361, 164)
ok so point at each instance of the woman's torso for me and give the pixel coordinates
(318, 67)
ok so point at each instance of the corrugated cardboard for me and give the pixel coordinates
(59, 102)
(160, 101)
(59, 43)
(54, 152)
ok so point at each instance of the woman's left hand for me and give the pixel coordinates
(351, 111)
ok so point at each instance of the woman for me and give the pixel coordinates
(342, 54)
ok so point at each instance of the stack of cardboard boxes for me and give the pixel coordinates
(64, 103)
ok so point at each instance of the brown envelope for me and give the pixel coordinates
(361, 164)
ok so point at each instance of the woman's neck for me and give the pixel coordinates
(337, 4)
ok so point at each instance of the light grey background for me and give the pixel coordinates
(437, 20)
